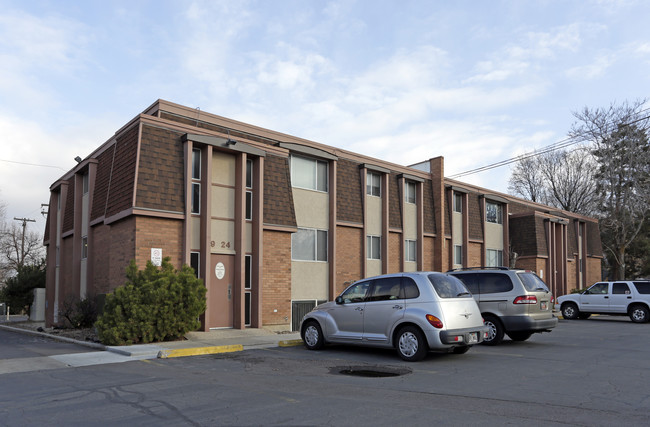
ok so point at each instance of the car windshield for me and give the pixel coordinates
(532, 282)
(448, 286)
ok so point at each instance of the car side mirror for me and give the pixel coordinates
(339, 300)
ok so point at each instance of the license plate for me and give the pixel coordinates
(473, 338)
(543, 305)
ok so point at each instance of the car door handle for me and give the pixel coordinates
(359, 309)
(397, 307)
(606, 297)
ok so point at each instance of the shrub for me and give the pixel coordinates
(79, 313)
(155, 304)
(18, 292)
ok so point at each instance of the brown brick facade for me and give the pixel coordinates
(276, 282)
(349, 257)
(395, 252)
(474, 253)
(166, 234)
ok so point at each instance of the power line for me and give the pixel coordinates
(563, 143)
(32, 164)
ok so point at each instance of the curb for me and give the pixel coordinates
(93, 345)
(289, 343)
(196, 351)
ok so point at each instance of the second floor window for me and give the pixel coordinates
(494, 258)
(493, 212)
(410, 250)
(409, 189)
(373, 247)
(373, 184)
(309, 173)
(458, 255)
(458, 202)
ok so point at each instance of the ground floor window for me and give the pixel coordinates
(373, 247)
(494, 258)
(458, 254)
(410, 250)
(308, 244)
(195, 262)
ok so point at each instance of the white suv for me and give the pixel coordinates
(625, 297)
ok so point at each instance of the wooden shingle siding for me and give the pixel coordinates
(522, 238)
(68, 214)
(429, 205)
(394, 203)
(161, 170)
(349, 206)
(572, 239)
(104, 162)
(278, 197)
(594, 245)
(120, 193)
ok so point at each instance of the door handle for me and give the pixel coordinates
(397, 307)
(359, 309)
(606, 297)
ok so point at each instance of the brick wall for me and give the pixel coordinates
(349, 256)
(395, 253)
(594, 272)
(276, 281)
(428, 254)
(101, 238)
(474, 255)
(66, 288)
(163, 233)
(571, 274)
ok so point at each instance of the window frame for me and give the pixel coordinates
(195, 255)
(410, 196)
(320, 184)
(458, 254)
(498, 213)
(317, 255)
(410, 254)
(499, 257)
(370, 246)
(458, 202)
(370, 187)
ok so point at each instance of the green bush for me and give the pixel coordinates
(79, 313)
(155, 304)
(18, 292)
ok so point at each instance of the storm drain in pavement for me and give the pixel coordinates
(370, 371)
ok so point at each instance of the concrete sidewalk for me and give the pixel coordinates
(195, 343)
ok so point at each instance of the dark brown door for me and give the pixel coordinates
(220, 294)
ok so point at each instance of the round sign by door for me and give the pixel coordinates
(219, 270)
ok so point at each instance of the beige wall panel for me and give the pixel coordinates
(195, 233)
(223, 168)
(223, 236)
(84, 214)
(373, 267)
(373, 215)
(411, 221)
(223, 202)
(457, 228)
(249, 237)
(309, 280)
(312, 208)
(493, 236)
(410, 266)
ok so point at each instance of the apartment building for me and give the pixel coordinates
(274, 224)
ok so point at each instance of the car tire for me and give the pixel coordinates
(312, 336)
(411, 345)
(570, 311)
(495, 330)
(519, 336)
(461, 350)
(639, 314)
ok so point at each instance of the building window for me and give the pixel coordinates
(373, 184)
(248, 270)
(195, 262)
(196, 163)
(84, 181)
(458, 202)
(249, 174)
(247, 308)
(249, 205)
(410, 250)
(373, 247)
(494, 258)
(409, 190)
(308, 173)
(458, 255)
(84, 247)
(493, 212)
(308, 244)
(196, 198)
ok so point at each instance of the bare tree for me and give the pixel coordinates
(563, 179)
(19, 247)
(619, 135)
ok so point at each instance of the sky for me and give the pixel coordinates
(477, 82)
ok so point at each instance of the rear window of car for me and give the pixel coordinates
(448, 286)
(642, 287)
(494, 283)
(532, 282)
(469, 280)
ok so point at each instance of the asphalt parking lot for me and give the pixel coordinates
(589, 372)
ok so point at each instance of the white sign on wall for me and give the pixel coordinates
(219, 270)
(156, 256)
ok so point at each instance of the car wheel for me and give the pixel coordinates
(411, 345)
(570, 311)
(495, 330)
(519, 336)
(312, 336)
(584, 316)
(639, 314)
(461, 350)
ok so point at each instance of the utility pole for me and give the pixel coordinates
(22, 246)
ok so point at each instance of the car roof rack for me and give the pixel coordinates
(478, 268)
